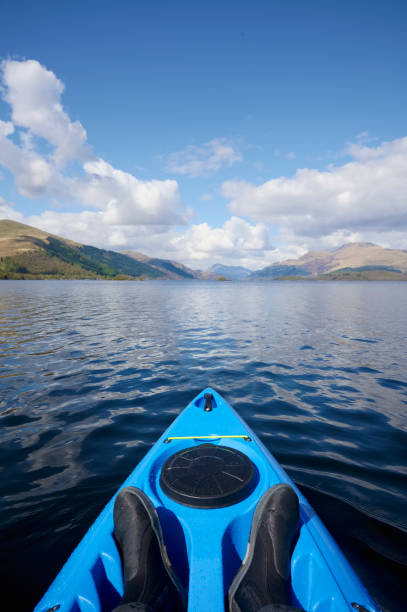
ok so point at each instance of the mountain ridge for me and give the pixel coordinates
(230, 272)
(358, 257)
(28, 252)
(173, 269)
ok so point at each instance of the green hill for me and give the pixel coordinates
(29, 253)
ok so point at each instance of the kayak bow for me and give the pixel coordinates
(206, 527)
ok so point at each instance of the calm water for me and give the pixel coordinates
(92, 372)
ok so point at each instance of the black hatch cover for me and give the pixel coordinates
(208, 476)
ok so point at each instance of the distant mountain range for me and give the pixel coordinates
(354, 261)
(30, 253)
(226, 272)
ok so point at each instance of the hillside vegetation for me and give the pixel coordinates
(28, 253)
(171, 269)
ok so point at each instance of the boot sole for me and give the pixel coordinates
(156, 526)
(250, 547)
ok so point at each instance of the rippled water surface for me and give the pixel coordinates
(92, 372)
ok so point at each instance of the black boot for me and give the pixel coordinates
(149, 581)
(263, 580)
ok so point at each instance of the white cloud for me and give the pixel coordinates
(86, 227)
(362, 196)
(205, 159)
(90, 227)
(34, 94)
(33, 174)
(205, 197)
(8, 212)
(126, 199)
(236, 241)
(6, 128)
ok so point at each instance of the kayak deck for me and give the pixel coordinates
(207, 546)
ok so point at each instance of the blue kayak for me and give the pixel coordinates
(206, 528)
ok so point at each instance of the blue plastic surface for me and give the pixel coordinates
(205, 546)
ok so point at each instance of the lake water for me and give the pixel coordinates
(91, 372)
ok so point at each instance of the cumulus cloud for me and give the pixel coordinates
(34, 94)
(368, 194)
(90, 227)
(205, 159)
(33, 174)
(126, 199)
(37, 116)
(234, 242)
(7, 211)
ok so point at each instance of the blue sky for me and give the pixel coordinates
(220, 131)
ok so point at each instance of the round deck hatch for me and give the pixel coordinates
(208, 476)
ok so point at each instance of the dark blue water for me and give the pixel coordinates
(92, 372)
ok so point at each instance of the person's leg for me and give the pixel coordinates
(150, 584)
(263, 580)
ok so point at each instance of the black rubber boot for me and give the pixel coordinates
(263, 580)
(149, 581)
